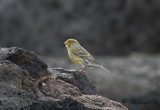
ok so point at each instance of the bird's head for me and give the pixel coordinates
(71, 42)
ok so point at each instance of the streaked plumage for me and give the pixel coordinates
(80, 55)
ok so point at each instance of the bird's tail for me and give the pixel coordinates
(105, 69)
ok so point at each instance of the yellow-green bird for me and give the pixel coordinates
(81, 56)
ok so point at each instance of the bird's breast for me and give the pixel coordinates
(74, 58)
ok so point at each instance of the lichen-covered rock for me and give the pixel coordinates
(58, 89)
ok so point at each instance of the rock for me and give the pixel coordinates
(24, 59)
(99, 103)
(12, 98)
(50, 86)
(12, 75)
(75, 78)
(64, 104)
(20, 90)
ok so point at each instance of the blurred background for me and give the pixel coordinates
(123, 35)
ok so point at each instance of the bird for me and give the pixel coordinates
(80, 55)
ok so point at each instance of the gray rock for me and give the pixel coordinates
(66, 104)
(25, 59)
(75, 78)
(19, 90)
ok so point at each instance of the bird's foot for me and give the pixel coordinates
(82, 70)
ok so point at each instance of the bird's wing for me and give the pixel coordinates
(79, 51)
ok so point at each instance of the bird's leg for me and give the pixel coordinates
(83, 70)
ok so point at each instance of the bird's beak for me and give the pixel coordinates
(65, 43)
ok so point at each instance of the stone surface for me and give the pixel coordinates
(25, 59)
(19, 90)
(75, 78)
